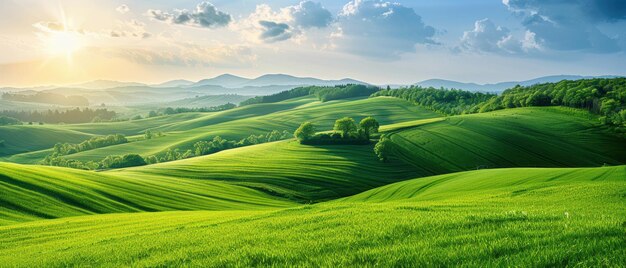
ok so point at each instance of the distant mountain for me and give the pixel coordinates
(225, 80)
(499, 87)
(175, 83)
(106, 84)
(232, 81)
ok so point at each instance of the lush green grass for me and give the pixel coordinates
(20, 139)
(523, 137)
(36, 192)
(537, 217)
(288, 169)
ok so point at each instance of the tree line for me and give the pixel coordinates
(605, 97)
(47, 97)
(445, 101)
(71, 116)
(322, 93)
(90, 144)
(130, 160)
(179, 110)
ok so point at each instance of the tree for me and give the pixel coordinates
(148, 135)
(152, 114)
(345, 125)
(369, 125)
(305, 131)
(383, 149)
(1, 143)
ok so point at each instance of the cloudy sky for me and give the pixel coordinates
(402, 41)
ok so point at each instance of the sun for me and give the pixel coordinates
(63, 43)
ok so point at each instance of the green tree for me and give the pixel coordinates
(369, 125)
(345, 125)
(148, 135)
(305, 131)
(383, 149)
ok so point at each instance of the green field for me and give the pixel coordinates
(523, 137)
(536, 186)
(514, 217)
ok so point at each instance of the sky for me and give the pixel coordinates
(378, 41)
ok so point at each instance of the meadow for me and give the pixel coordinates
(532, 186)
(506, 217)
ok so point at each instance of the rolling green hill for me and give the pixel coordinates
(522, 137)
(254, 119)
(36, 192)
(287, 169)
(515, 217)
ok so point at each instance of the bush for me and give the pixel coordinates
(383, 149)
(305, 131)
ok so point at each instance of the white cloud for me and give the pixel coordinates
(123, 9)
(205, 15)
(572, 25)
(374, 28)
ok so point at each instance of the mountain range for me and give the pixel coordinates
(499, 87)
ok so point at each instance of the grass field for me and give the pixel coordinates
(514, 217)
(523, 137)
(32, 192)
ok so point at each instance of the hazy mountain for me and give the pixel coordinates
(175, 83)
(232, 81)
(225, 80)
(498, 87)
(105, 84)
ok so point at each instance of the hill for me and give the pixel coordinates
(38, 192)
(521, 137)
(527, 217)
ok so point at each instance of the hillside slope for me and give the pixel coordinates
(522, 137)
(287, 169)
(543, 217)
(36, 192)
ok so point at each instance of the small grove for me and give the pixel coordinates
(323, 94)
(346, 132)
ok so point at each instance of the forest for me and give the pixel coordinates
(322, 93)
(71, 116)
(47, 97)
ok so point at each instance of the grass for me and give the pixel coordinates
(517, 217)
(37, 192)
(288, 169)
(523, 137)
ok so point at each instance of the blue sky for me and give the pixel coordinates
(68, 41)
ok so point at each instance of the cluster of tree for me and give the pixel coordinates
(345, 129)
(7, 121)
(170, 110)
(344, 92)
(281, 96)
(122, 161)
(71, 116)
(322, 93)
(47, 97)
(445, 101)
(606, 97)
(90, 144)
